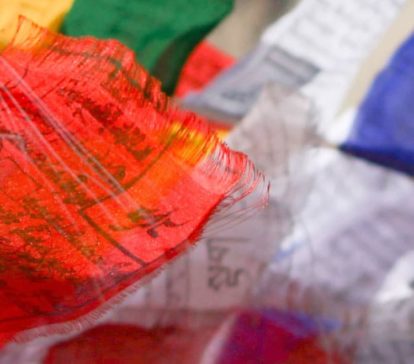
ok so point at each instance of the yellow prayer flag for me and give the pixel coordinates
(47, 13)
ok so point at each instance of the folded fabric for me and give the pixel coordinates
(47, 13)
(162, 32)
(383, 130)
(103, 179)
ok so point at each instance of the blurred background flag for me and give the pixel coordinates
(47, 13)
(383, 130)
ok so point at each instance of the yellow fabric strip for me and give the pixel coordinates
(47, 13)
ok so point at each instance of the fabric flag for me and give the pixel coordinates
(47, 13)
(352, 231)
(317, 49)
(162, 32)
(354, 228)
(102, 179)
(383, 130)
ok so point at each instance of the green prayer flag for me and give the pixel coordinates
(161, 32)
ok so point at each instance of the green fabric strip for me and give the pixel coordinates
(161, 32)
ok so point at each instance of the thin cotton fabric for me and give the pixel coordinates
(102, 180)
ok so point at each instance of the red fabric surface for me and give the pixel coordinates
(102, 180)
(123, 344)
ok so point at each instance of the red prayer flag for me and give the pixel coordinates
(204, 64)
(102, 179)
(127, 344)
